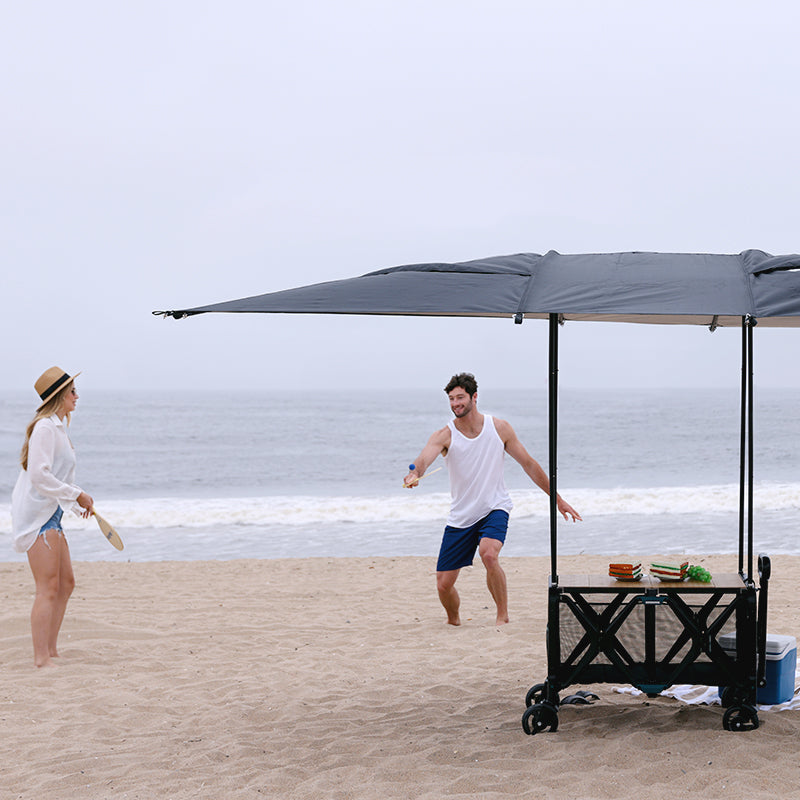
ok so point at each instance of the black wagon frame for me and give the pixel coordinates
(650, 633)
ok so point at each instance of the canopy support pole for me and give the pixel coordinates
(553, 441)
(746, 449)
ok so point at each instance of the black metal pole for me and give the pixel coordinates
(742, 445)
(751, 323)
(553, 440)
(746, 441)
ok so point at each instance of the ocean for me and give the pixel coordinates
(215, 475)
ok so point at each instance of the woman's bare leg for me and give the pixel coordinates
(66, 584)
(50, 602)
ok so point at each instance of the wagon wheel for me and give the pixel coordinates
(539, 718)
(740, 718)
(727, 697)
(733, 696)
(535, 694)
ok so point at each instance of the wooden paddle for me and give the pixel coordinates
(108, 531)
(414, 483)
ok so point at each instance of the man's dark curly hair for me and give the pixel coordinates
(465, 381)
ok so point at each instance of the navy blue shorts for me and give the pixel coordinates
(459, 544)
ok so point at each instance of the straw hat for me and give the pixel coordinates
(51, 381)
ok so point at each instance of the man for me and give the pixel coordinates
(474, 446)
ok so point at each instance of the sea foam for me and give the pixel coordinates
(298, 510)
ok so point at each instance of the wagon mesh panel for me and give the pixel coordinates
(631, 634)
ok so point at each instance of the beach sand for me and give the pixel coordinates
(337, 678)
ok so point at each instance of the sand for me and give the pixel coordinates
(337, 678)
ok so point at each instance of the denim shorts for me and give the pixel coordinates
(53, 524)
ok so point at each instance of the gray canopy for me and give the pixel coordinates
(675, 288)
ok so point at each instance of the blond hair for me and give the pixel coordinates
(47, 410)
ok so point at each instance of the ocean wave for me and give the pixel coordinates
(408, 507)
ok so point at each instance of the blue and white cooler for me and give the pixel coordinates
(780, 669)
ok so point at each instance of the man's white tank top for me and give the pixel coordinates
(476, 475)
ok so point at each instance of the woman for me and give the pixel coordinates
(44, 488)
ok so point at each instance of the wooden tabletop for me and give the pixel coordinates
(725, 582)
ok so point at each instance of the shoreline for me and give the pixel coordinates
(338, 677)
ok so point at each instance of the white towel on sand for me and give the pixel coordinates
(709, 695)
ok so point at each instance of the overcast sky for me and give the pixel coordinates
(159, 155)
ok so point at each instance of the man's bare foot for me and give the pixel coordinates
(456, 621)
(47, 664)
(501, 621)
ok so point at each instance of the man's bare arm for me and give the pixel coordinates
(437, 445)
(533, 469)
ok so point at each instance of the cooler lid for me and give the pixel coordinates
(777, 644)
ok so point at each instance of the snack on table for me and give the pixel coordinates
(698, 573)
(669, 571)
(626, 572)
